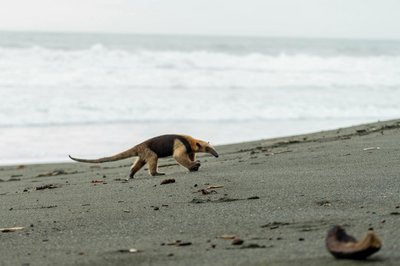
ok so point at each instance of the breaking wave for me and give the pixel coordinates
(43, 86)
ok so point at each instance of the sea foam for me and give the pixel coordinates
(42, 86)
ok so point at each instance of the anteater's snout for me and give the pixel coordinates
(212, 151)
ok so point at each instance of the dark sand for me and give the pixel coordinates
(302, 185)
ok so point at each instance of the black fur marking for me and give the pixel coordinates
(163, 145)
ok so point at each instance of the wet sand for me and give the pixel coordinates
(280, 196)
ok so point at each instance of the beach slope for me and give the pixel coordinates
(279, 196)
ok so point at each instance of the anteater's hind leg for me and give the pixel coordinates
(152, 159)
(186, 160)
(136, 167)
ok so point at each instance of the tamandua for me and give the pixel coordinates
(183, 148)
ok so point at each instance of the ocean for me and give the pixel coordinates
(92, 95)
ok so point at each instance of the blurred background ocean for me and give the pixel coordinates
(93, 95)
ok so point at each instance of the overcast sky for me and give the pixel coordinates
(288, 18)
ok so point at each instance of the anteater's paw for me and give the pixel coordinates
(158, 173)
(195, 167)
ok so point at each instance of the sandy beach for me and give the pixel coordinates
(279, 196)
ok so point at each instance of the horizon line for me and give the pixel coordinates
(32, 31)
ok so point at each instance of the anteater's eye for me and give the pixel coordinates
(198, 145)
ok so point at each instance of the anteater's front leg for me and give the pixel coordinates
(185, 160)
(192, 156)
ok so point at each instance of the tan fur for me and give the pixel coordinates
(183, 148)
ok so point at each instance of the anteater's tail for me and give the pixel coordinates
(120, 156)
